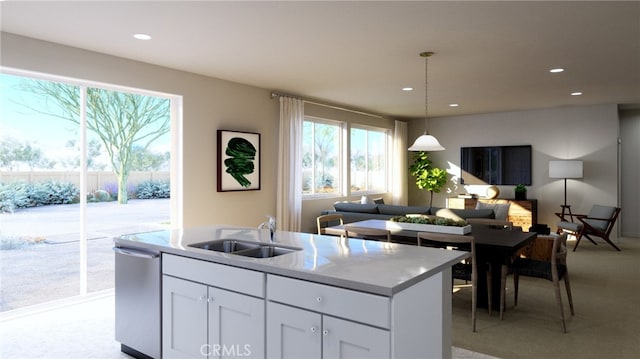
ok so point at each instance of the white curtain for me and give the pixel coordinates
(289, 190)
(399, 166)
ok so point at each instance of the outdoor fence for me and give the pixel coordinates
(96, 180)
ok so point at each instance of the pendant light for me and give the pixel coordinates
(426, 142)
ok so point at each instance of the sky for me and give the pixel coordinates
(48, 133)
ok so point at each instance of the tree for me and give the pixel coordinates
(145, 160)
(324, 140)
(12, 152)
(93, 151)
(121, 120)
(427, 177)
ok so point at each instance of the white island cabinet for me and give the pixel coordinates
(327, 298)
(313, 333)
(201, 320)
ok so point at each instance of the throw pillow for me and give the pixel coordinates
(366, 200)
(501, 210)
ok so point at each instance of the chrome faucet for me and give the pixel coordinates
(270, 224)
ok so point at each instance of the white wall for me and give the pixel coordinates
(209, 104)
(630, 164)
(588, 133)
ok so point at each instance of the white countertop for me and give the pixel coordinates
(370, 266)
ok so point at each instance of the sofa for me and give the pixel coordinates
(354, 212)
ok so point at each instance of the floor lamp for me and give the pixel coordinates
(565, 169)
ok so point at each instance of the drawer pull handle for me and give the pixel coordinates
(202, 297)
(313, 329)
(319, 299)
(209, 300)
(325, 332)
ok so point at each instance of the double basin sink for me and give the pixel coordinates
(245, 248)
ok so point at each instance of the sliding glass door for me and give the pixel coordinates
(79, 165)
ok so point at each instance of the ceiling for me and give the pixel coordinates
(489, 56)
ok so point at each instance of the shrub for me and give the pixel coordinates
(59, 193)
(153, 189)
(23, 195)
(102, 196)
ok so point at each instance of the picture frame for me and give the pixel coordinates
(238, 161)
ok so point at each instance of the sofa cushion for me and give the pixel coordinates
(355, 207)
(462, 214)
(402, 210)
(500, 210)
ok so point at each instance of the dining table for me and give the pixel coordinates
(494, 247)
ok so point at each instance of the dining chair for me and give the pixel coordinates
(466, 270)
(505, 268)
(599, 223)
(552, 267)
(326, 220)
(367, 233)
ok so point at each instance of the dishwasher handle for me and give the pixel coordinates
(135, 253)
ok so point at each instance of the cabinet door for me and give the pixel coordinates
(184, 318)
(236, 325)
(343, 339)
(293, 333)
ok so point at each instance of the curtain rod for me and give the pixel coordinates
(278, 94)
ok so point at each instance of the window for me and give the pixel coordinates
(321, 157)
(368, 160)
(76, 151)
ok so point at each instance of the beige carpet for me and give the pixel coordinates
(606, 295)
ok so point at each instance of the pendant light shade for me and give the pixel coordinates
(426, 142)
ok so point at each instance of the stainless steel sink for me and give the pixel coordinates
(245, 248)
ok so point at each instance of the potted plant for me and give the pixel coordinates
(427, 176)
(520, 192)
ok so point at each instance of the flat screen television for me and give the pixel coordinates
(497, 165)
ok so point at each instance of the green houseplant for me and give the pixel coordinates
(520, 192)
(427, 176)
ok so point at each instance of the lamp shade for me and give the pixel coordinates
(426, 142)
(565, 169)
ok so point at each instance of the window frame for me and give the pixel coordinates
(387, 158)
(342, 128)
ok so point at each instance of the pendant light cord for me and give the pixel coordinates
(426, 56)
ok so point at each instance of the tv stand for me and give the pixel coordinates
(523, 213)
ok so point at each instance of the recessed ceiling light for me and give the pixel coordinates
(142, 37)
(453, 105)
(407, 89)
(555, 71)
(577, 93)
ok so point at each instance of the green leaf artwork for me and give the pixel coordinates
(240, 162)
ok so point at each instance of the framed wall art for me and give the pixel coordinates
(238, 161)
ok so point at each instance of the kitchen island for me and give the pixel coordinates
(318, 297)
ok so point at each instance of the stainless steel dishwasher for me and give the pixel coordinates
(137, 299)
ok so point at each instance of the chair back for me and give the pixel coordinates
(451, 241)
(327, 219)
(367, 233)
(606, 217)
(549, 248)
(444, 240)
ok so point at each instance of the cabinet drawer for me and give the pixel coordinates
(214, 274)
(349, 304)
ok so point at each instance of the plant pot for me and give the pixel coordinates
(429, 228)
(521, 196)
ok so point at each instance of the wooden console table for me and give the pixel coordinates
(521, 213)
